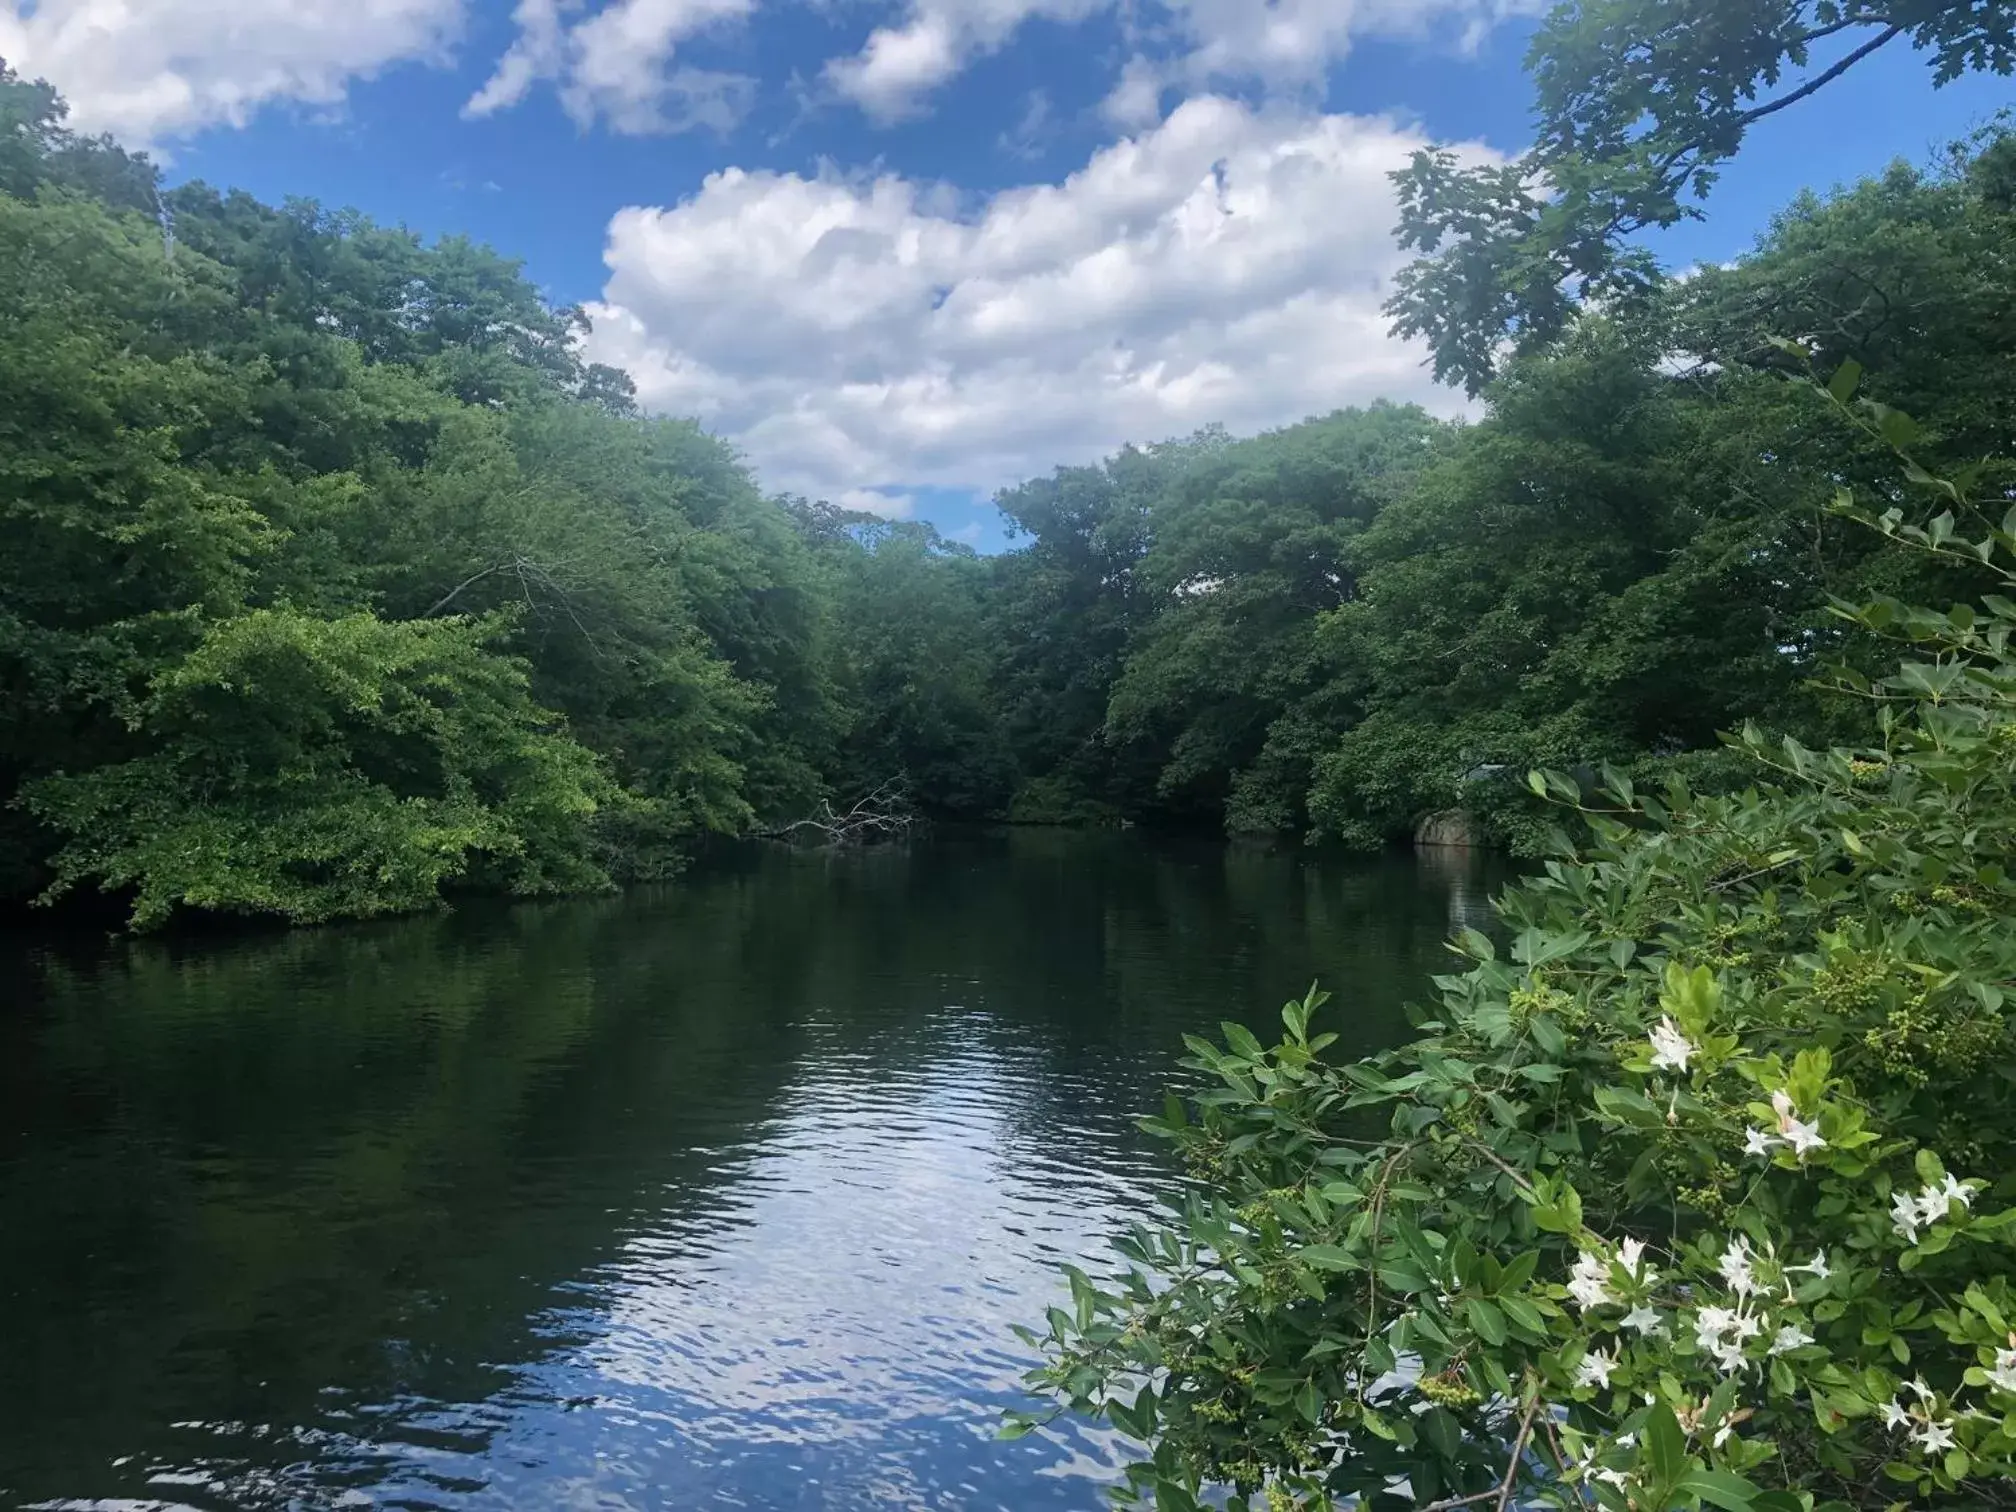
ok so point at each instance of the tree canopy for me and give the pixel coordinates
(337, 581)
(1639, 104)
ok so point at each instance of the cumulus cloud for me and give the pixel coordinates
(899, 66)
(618, 65)
(1136, 100)
(164, 68)
(1226, 265)
(1281, 43)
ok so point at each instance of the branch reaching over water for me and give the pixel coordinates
(883, 814)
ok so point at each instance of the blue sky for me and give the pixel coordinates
(905, 252)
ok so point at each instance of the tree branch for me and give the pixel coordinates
(469, 582)
(1822, 79)
(881, 813)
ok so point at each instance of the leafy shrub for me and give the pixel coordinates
(321, 768)
(1698, 1193)
(1058, 800)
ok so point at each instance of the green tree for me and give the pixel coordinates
(1227, 684)
(232, 431)
(911, 665)
(1065, 610)
(318, 769)
(1639, 104)
(1692, 1194)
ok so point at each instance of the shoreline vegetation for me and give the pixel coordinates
(338, 583)
(1693, 1188)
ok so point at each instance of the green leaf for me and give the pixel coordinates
(1720, 1488)
(1241, 1039)
(1309, 1402)
(1563, 1215)
(1665, 1443)
(1486, 1319)
(1523, 1315)
(1842, 384)
(1328, 1257)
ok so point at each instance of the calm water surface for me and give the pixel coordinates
(722, 1195)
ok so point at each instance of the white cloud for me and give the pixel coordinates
(1280, 43)
(1227, 265)
(618, 65)
(1296, 41)
(890, 506)
(899, 66)
(146, 70)
(1136, 100)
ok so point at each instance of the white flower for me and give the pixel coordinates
(1919, 1389)
(1757, 1142)
(1595, 1368)
(1589, 1282)
(1894, 1415)
(1710, 1323)
(1803, 1137)
(1904, 1217)
(1935, 1203)
(1671, 1048)
(1610, 1477)
(1644, 1320)
(1818, 1270)
(1728, 1356)
(1735, 1267)
(1933, 1438)
(1722, 1434)
(2003, 1376)
(1790, 1337)
(1631, 1255)
(1720, 1331)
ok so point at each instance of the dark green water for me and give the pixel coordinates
(722, 1195)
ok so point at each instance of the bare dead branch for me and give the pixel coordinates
(883, 814)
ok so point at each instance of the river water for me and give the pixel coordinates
(717, 1195)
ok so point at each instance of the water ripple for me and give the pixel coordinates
(720, 1197)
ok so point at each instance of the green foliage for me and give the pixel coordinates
(376, 469)
(212, 408)
(1693, 1192)
(330, 768)
(911, 663)
(1053, 800)
(1639, 104)
(1251, 547)
(1622, 559)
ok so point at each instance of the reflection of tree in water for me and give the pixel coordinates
(1471, 878)
(336, 1182)
(261, 1183)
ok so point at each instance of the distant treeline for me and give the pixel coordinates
(334, 579)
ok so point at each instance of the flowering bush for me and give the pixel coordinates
(1697, 1193)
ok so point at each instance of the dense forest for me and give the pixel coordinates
(335, 580)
